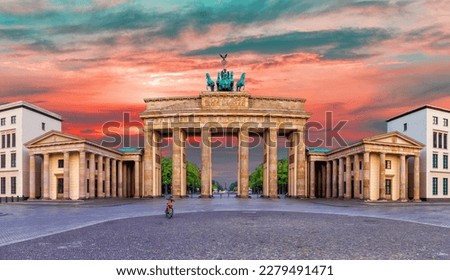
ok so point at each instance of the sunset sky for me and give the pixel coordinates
(92, 60)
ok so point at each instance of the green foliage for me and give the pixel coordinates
(256, 177)
(233, 187)
(166, 171)
(192, 173)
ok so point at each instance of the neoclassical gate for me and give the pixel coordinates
(224, 113)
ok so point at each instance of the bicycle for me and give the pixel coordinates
(169, 209)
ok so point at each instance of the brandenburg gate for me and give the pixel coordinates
(225, 113)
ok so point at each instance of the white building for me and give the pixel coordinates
(428, 125)
(19, 123)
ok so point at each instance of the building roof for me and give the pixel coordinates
(318, 150)
(419, 109)
(31, 107)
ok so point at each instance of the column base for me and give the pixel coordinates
(416, 200)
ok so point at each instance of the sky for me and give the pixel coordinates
(94, 61)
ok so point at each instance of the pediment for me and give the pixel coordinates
(393, 138)
(53, 137)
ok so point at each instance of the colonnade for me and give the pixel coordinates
(357, 176)
(84, 175)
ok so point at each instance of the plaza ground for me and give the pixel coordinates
(224, 228)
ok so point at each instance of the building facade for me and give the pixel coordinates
(20, 122)
(64, 166)
(430, 126)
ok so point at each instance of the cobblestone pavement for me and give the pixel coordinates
(418, 230)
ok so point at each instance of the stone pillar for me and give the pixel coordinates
(356, 176)
(301, 164)
(206, 162)
(382, 193)
(120, 179)
(366, 178)
(82, 177)
(416, 178)
(312, 179)
(32, 176)
(243, 162)
(107, 177)
(341, 178)
(403, 193)
(125, 180)
(100, 177)
(92, 175)
(335, 179)
(348, 178)
(328, 177)
(136, 178)
(113, 178)
(66, 175)
(273, 162)
(46, 184)
(148, 162)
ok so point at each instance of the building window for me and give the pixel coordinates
(435, 161)
(435, 186)
(60, 185)
(445, 122)
(3, 140)
(435, 120)
(87, 164)
(13, 185)
(388, 184)
(13, 159)
(2, 121)
(13, 140)
(2, 161)
(43, 126)
(345, 168)
(405, 127)
(445, 141)
(60, 163)
(445, 162)
(445, 185)
(352, 166)
(360, 165)
(3, 185)
(8, 140)
(388, 164)
(13, 119)
(440, 140)
(434, 139)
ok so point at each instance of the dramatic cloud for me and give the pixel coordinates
(94, 61)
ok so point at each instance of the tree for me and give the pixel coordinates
(192, 173)
(256, 177)
(233, 187)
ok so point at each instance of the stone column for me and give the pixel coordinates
(243, 162)
(113, 178)
(301, 164)
(92, 175)
(328, 192)
(356, 176)
(335, 179)
(403, 193)
(82, 177)
(107, 177)
(148, 162)
(382, 176)
(312, 179)
(273, 162)
(46, 176)
(66, 175)
(416, 178)
(136, 178)
(120, 179)
(32, 176)
(366, 179)
(206, 162)
(100, 177)
(125, 180)
(341, 178)
(348, 178)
